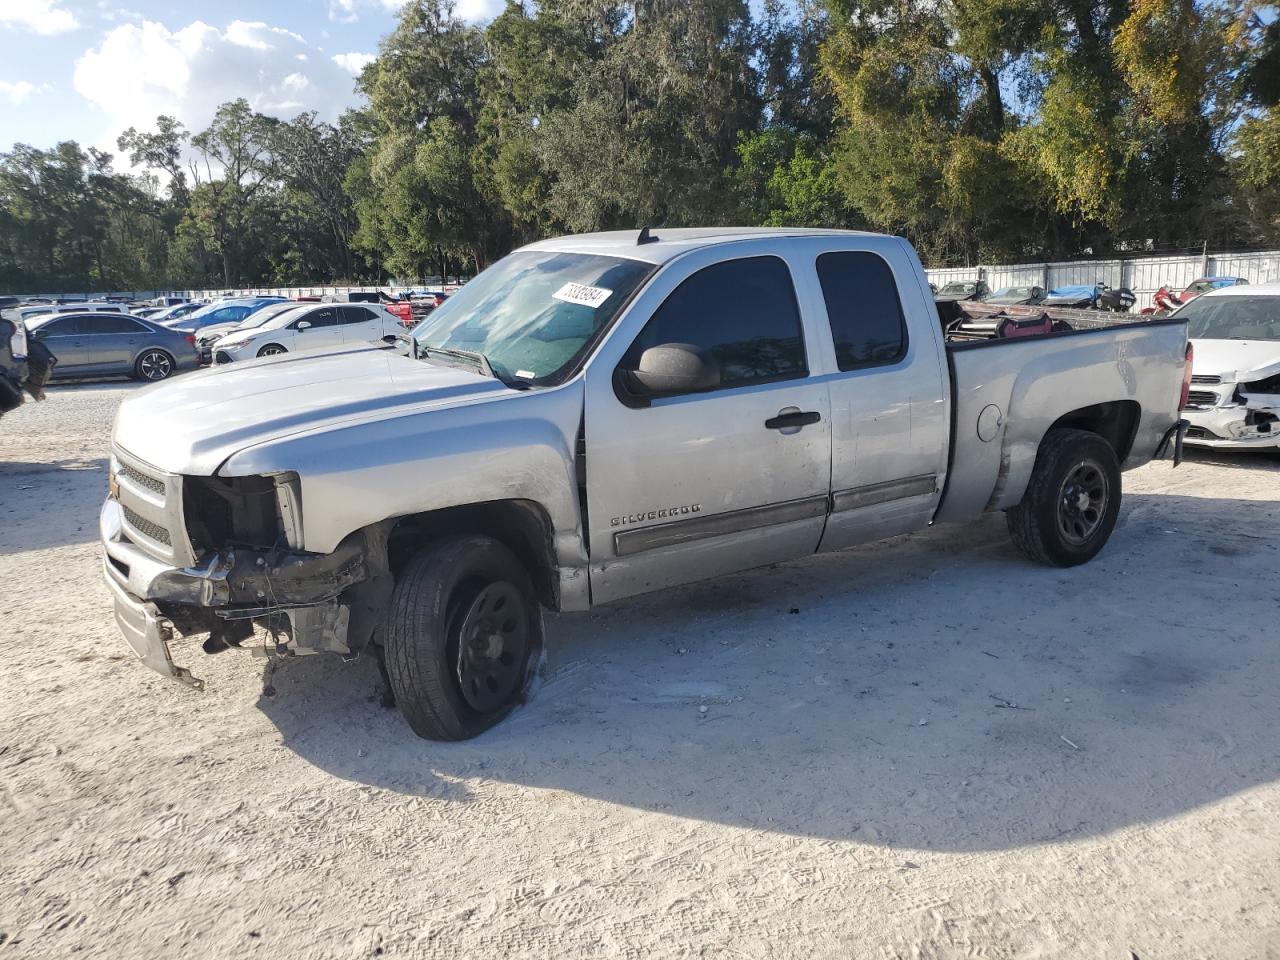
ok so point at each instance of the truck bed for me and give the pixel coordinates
(1008, 392)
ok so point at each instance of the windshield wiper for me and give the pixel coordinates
(479, 360)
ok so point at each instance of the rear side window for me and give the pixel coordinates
(863, 308)
(111, 324)
(741, 313)
(356, 314)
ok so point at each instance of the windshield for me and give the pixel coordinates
(1232, 318)
(959, 288)
(1209, 283)
(532, 315)
(1012, 293)
(271, 312)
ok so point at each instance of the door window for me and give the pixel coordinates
(863, 308)
(741, 313)
(327, 317)
(356, 315)
(63, 327)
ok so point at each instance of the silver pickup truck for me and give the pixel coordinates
(598, 416)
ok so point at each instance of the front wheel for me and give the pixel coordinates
(464, 630)
(271, 350)
(1072, 501)
(153, 365)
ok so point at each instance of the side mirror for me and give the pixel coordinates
(673, 368)
(304, 324)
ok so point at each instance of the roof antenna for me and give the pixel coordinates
(645, 238)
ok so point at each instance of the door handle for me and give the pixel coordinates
(792, 419)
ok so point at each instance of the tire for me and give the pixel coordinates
(271, 350)
(1071, 504)
(153, 366)
(463, 632)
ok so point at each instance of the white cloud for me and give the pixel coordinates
(353, 63)
(348, 11)
(16, 91)
(42, 16)
(478, 11)
(138, 71)
(256, 35)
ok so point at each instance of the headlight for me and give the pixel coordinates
(234, 344)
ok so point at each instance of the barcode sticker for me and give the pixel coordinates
(580, 293)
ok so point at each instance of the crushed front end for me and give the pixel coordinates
(189, 556)
(1227, 412)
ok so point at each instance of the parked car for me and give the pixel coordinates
(1206, 284)
(1012, 296)
(102, 344)
(1097, 296)
(169, 314)
(32, 311)
(598, 416)
(962, 290)
(208, 336)
(221, 312)
(25, 365)
(1235, 389)
(309, 327)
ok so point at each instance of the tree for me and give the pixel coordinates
(238, 151)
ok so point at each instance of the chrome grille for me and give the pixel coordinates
(147, 528)
(1202, 398)
(1205, 378)
(143, 479)
(151, 509)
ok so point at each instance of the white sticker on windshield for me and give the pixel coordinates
(580, 293)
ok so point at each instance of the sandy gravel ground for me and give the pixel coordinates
(926, 748)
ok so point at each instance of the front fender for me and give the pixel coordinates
(519, 447)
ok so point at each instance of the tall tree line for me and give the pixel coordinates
(979, 129)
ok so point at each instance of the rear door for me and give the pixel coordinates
(360, 324)
(111, 341)
(889, 416)
(691, 486)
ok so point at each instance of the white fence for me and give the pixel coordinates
(1144, 276)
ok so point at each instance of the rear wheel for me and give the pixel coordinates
(271, 349)
(153, 365)
(1071, 504)
(463, 633)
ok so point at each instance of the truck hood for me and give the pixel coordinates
(193, 423)
(1236, 360)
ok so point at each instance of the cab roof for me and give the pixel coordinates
(666, 243)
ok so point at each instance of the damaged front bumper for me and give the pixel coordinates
(1252, 425)
(308, 601)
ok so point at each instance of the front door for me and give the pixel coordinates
(324, 329)
(698, 484)
(63, 339)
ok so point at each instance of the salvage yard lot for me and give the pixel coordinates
(924, 748)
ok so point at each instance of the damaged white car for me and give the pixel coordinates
(1235, 388)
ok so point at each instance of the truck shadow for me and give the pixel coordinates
(936, 691)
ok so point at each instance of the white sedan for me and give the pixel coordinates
(309, 328)
(1235, 375)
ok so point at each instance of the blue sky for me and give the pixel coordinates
(87, 69)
